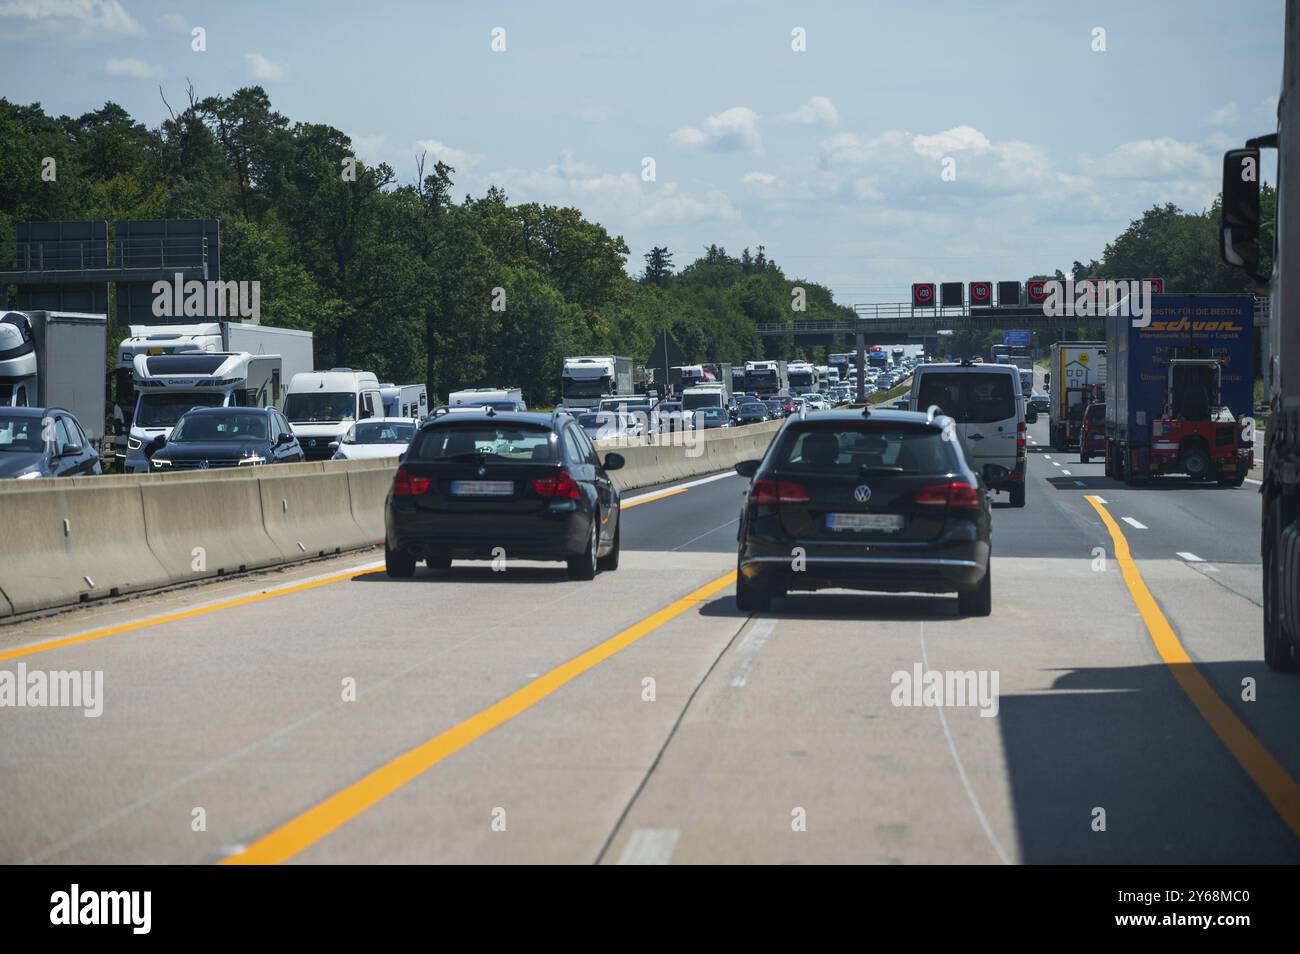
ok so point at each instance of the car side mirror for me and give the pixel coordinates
(154, 446)
(613, 461)
(334, 445)
(284, 438)
(70, 450)
(747, 468)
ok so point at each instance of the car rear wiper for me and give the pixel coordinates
(883, 469)
(468, 455)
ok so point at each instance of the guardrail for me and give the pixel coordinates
(73, 540)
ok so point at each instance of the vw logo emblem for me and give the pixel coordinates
(203, 465)
(482, 471)
(862, 493)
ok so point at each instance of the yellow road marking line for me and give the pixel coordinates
(306, 829)
(653, 497)
(107, 631)
(1278, 787)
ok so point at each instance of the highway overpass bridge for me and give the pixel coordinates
(894, 322)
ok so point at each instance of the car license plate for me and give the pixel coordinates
(482, 488)
(864, 521)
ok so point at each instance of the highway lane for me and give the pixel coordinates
(748, 725)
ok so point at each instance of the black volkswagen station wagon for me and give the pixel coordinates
(529, 484)
(865, 500)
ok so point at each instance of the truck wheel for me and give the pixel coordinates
(1018, 495)
(1279, 650)
(1196, 462)
(979, 601)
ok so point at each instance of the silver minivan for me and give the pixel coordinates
(986, 403)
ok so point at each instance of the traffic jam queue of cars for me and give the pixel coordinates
(878, 500)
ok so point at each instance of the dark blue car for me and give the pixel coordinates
(207, 437)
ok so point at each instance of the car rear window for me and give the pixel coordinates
(494, 442)
(849, 447)
(969, 397)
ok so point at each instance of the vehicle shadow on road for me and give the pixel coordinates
(1128, 741)
(474, 573)
(878, 607)
(1101, 482)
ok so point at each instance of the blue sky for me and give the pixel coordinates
(831, 157)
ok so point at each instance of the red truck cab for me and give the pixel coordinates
(1092, 433)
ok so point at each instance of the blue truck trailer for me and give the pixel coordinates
(1179, 389)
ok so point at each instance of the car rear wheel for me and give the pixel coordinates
(979, 601)
(610, 560)
(585, 567)
(399, 565)
(1018, 495)
(1083, 456)
(749, 597)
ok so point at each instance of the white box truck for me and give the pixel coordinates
(1078, 370)
(55, 358)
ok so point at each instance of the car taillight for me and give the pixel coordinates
(560, 487)
(957, 494)
(409, 485)
(777, 492)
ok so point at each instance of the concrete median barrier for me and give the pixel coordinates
(670, 457)
(224, 534)
(82, 538)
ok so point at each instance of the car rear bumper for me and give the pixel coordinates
(947, 568)
(552, 534)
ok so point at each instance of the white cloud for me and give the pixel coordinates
(1223, 116)
(1154, 159)
(758, 179)
(441, 152)
(368, 148)
(731, 130)
(76, 20)
(618, 200)
(956, 140)
(263, 68)
(174, 22)
(818, 111)
(131, 68)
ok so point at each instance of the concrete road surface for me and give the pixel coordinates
(328, 714)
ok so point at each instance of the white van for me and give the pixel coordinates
(323, 405)
(988, 407)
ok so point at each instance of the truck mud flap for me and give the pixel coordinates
(1289, 579)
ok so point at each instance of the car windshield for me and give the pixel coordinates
(862, 447)
(314, 407)
(380, 432)
(969, 397)
(21, 434)
(164, 410)
(753, 409)
(482, 440)
(231, 426)
(714, 414)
